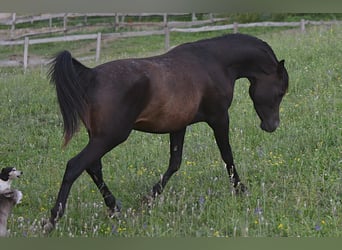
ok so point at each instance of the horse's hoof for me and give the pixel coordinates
(240, 189)
(147, 200)
(47, 226)
(116, 211)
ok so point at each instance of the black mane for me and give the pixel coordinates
(233, 40)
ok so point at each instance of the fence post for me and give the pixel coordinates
(235, 27)
(167, 37)
(193, 16)
(211, 17)
(116, 22)
(65, 21)
(26, 45)
(98, 47)
(165, 19)
(13, 24)
(13, 21)
(302, 25)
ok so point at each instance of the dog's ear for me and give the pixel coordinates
(3, 170)
(6, 169)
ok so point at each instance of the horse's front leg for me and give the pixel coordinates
(176, 150)
(220, 127)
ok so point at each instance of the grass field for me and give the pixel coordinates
(294, 175)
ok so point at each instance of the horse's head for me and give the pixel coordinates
(267, 90)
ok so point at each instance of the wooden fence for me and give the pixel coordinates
(118, 19)
(169, 27)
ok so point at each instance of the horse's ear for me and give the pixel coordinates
(281, 67)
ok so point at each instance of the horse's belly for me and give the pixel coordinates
(165, 122)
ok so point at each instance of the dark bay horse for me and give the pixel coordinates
(191, 83)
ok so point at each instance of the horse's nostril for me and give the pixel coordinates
(276, 124)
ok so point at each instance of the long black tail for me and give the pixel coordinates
(66, 74)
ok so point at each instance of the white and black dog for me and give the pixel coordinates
(8, 197)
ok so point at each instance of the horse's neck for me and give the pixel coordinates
(244, 61)
(237, 71)
(249, 66)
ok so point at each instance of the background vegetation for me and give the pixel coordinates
(294, 175)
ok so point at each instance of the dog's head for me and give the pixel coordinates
(10, 173)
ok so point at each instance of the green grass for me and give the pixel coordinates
(294, 175)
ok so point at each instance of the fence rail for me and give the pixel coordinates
(13, 18)
(116, 21)
(235, 26)
(169, 27)
(118, 18)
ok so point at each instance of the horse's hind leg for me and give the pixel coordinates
(73, 170)
(176, 149)
(95, 173)
(88, 157)
(220, 127)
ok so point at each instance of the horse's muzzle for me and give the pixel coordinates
(269, 126)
